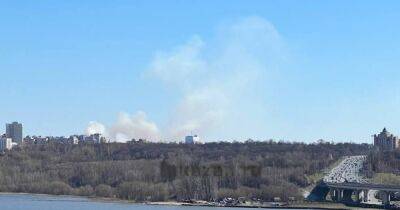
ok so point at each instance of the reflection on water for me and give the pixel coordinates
(43, 202)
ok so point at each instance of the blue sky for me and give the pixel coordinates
(293, 70)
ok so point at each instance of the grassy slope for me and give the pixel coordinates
(386, 178)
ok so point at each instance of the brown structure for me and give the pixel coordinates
(386, 141)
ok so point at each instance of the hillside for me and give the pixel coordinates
(158, 172)
(383, 167)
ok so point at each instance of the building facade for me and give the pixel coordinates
(5, 144)
(14, 131)
(192, 139)
(386, 140)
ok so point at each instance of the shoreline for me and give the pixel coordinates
(297, 205)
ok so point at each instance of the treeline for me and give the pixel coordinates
(158, 172)
(379, 161)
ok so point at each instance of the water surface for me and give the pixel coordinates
(44, 202)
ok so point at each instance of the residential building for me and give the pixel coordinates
(386, 140)
(5, 144)
(14, 131)
(73, 139)
(192, 139)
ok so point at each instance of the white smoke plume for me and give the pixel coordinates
(126, 128)
(177, 66)
(136, 126)
(95, 128)
(220, 80)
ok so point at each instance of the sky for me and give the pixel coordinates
(225, 70)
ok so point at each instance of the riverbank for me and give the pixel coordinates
(270, 205)
(267, 205)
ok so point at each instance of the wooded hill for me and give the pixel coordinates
(159, 171)
(383, 166)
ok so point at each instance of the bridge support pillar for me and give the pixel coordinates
(334, 194)
(347, 196)
(357, 196)
(385, 198)
(340, 195)
(365, 195)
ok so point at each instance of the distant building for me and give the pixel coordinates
(81, 138)
(98, 138)
(139, 141)
(386, 140)
(92, 139)
(41, 140)
(192, 139)
(5, 144)
(30, 140)
(14, 131)
(73, 140)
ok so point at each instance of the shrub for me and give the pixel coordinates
(58, 188)
(103, 190)
(86, 190)
(140, 191)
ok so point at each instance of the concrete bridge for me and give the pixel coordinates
(353, 193)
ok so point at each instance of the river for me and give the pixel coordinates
(44, 202)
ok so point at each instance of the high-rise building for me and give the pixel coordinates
(386, 140)
(14, 131)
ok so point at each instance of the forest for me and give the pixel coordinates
(170, 171)
(383, 166)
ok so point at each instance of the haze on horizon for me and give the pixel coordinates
(298, 71)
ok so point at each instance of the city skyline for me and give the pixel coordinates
(299, 71)
(189, 138)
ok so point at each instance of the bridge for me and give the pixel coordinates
(364, 186)
(352, 192)
(345, 184)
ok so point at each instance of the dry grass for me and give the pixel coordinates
(386, 178)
